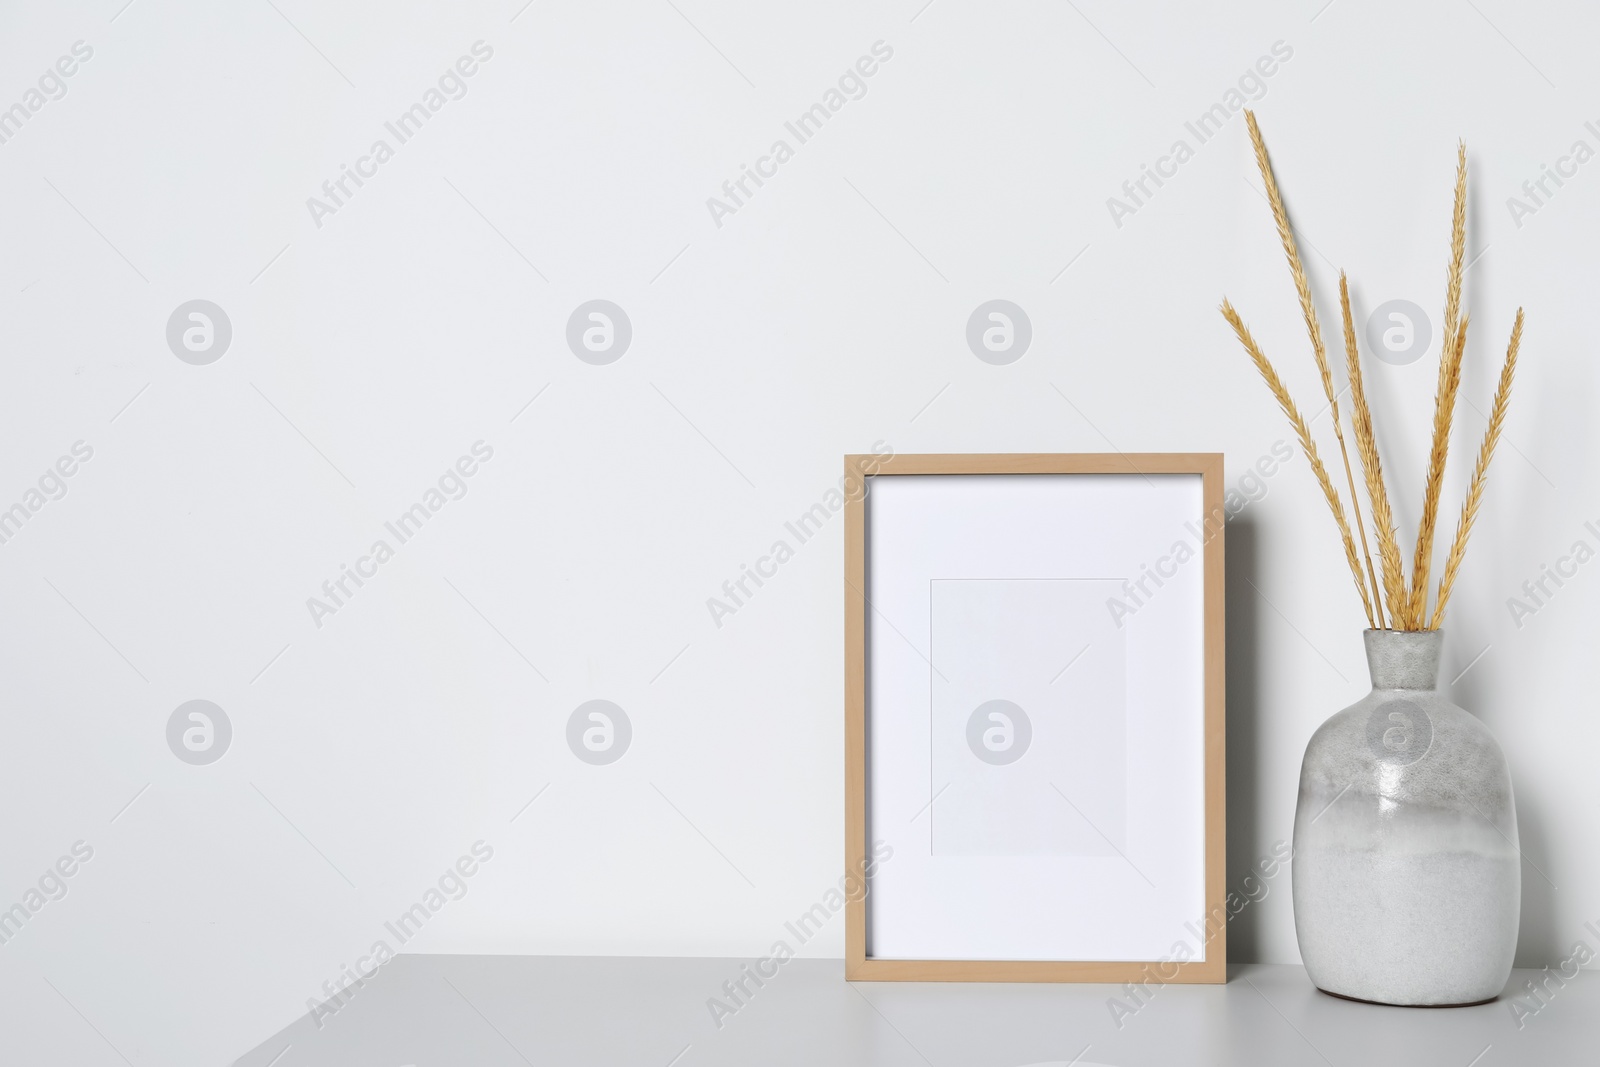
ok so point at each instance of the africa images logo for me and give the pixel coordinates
(851, 85)
(451, 85)
(1399, 332)
(1399, 733)
(199, 332)
(999, 732)
(199, 732)
(1250, 86)
(599, 332)
(599, 732)
(999, 332)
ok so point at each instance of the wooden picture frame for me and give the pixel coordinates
(863, 472)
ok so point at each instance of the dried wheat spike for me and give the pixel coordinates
(1453, 345)
(1394, 582)
(1302, 431)
(1480, 472)
(1308, 310)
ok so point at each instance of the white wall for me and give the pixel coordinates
(828, 312)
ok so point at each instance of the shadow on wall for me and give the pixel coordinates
(1539, 942)
(1246, 845)
(1478, 610)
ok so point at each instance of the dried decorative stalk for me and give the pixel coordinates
(1469, 510)
(1308, 310)
(1307, 445)
(1444, 403)
(1394, 582)
(1407, 608)
(1450, 353)
(1458, 245)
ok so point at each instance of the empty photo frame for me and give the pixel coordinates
(1034, 718)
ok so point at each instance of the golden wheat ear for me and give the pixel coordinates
(1308, 310)
(1427, 528)
(1452, 346)
(1302, 431)
(1480, 473)
(1394, 582)
(1458, 245)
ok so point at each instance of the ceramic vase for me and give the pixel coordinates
(1406, 873)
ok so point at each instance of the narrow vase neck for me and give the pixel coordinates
(1404, 659)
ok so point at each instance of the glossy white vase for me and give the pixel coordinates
(1407, 877)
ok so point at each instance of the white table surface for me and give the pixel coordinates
(514, 1011)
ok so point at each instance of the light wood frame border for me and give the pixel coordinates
(864, 468)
